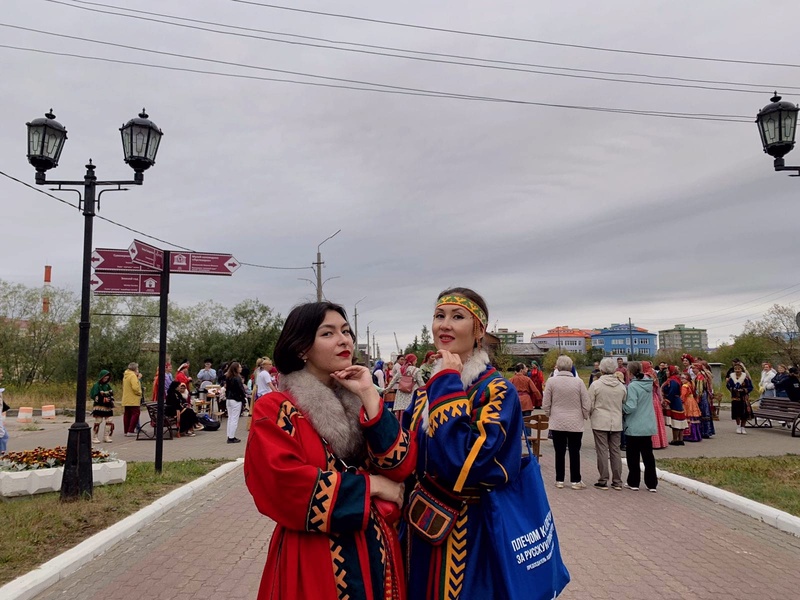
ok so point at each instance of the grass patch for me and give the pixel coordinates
(771, 480)
(34, 529)
(36, 395)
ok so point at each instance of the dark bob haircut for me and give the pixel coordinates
(299, 332)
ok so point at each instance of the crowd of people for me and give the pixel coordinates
(235, 384)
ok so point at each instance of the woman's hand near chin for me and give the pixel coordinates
(358, 380)
(450, 361)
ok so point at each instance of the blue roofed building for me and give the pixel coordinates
(624, 340)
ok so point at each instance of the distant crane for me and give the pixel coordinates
(396, 343)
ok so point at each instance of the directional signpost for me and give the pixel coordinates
(116, 260)
(144, 270)
(146, 255)
(126, 284)
(203, 263)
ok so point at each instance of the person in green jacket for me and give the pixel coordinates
(103, 397)
(640, 426)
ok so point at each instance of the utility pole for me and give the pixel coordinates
(630, 333)
(319, 264)
(355, 317)
(368, 352)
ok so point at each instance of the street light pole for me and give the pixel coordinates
(319, 264)
(46, 139)
(355, 317)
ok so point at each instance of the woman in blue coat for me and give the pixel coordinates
(467, 421)
(640, 426)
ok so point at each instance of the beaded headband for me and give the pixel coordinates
(464, 302)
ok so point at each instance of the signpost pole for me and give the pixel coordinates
(162, 359)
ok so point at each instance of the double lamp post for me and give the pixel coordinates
(46, 137)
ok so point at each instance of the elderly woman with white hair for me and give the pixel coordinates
(607, 395)
(566, 402)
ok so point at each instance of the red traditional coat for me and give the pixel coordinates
(329, 542)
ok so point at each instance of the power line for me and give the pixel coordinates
(517, 39)
(427, 53)
(421, 91)
(136, 231)
(131, 229)
(731, 309)
(507, 67)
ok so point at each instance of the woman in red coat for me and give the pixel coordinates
(326, 462)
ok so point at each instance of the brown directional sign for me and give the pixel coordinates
(115, 260)
(146, 255)
(126, 284)
(202, 263)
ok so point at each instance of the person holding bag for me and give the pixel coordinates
(468, 507)
(407, 379)
(327, 462)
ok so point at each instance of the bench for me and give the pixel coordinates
(147, 431)
(777, 409)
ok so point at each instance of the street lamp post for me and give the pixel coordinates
(319, 264)
(777, 125)
(46, 137)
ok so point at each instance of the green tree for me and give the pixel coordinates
(34, 345)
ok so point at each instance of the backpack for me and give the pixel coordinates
(374, 378)
(208, 423)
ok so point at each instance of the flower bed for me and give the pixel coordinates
(41, 470)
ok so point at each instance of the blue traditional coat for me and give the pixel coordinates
(472, 442)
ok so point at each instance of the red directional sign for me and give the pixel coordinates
(126, 284)
(115, 260)
(146, 255)
(202, 263)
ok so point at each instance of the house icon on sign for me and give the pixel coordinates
(150, 283)
(179, 260)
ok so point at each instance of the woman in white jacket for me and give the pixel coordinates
(566, 402)
(766, 387)
(607, 395)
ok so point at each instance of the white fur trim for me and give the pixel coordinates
(334, 413)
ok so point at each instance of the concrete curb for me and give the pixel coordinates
(33, 583)
(766, 514)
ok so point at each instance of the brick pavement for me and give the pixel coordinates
(620, 545)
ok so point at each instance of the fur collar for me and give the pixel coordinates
(476, 364)
(334, 413)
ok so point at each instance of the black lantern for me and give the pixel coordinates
(140, 140)
(777, 123)
(46, 138)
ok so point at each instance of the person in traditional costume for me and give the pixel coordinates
(660, 438)
(413, 378)
(537, 377)
(327, 462)
(688, 360)
(740, 386)
(705, 398)
(103, 410)
(468, 423)
(692, 433)
(674, 416)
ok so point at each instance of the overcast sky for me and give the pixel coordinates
(557, 216)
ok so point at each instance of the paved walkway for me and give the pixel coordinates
(617, 545)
